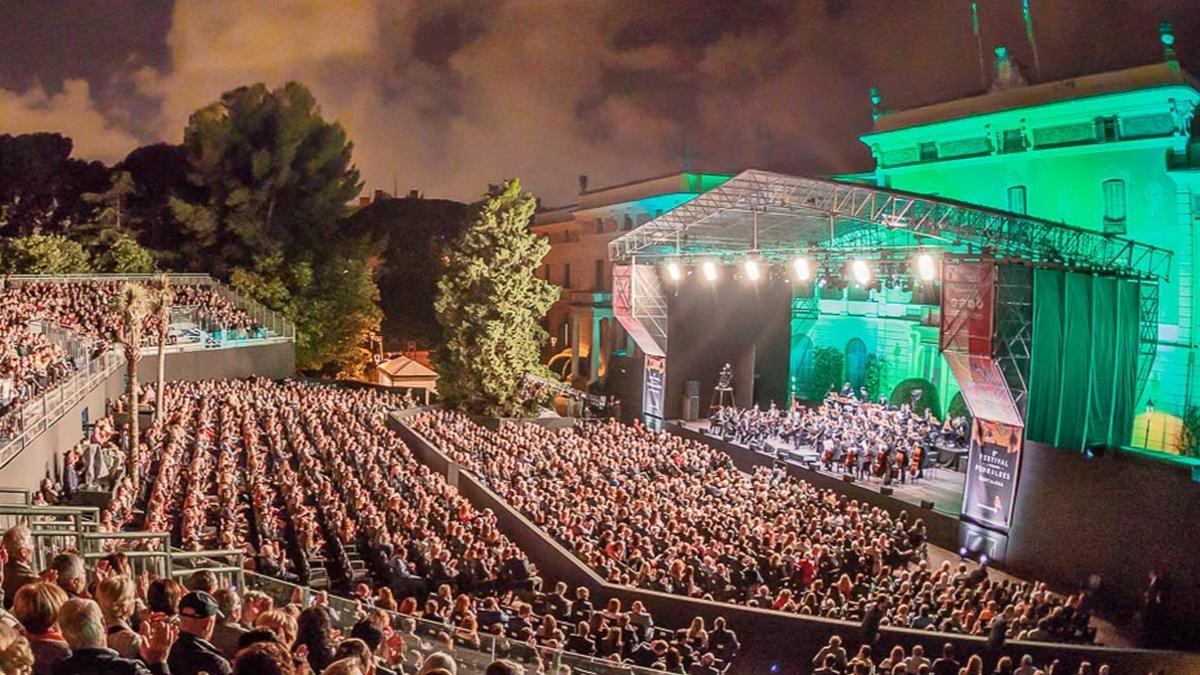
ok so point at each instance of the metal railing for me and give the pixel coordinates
(24, 423)
(276, 325)
(472, 652)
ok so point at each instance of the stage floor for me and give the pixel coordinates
(943, 487)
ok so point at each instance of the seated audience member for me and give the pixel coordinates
(229, 628)
(18, 546)
(16, 657)
(192, 653)
(117, 598)
(83, 627)
(264, 658)
(36, 607)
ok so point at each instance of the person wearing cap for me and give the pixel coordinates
(192, 653)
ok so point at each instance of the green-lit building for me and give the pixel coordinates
(1114, 153)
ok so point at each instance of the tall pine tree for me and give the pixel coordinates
(490, 304)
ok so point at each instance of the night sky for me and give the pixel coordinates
(447, 96)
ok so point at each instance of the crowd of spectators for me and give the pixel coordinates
(299, 475)
(32, 362)
(834, 659)
(64, 620)
(658, 511)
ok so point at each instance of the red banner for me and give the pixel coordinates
(968, 302)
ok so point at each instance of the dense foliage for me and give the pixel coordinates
(490, 304)
(903, 393)
(826, 372)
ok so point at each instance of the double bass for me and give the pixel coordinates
(849, 462)
(880, 463)
(914, 466)
(899, 464)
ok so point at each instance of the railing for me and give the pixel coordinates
(21, 425)
(472, 652)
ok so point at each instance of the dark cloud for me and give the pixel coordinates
(449, 96)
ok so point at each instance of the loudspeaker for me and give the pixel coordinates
(691, 388)
(691, 408)
(848, 478)
(885, 490)
(926, 504)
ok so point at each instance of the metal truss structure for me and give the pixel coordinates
(1014, 330)
(776, 216)
(1147, 332)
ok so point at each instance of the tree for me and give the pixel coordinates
(133, 304)
(108, 220)
(270, 180)
(124, 255)
(826, 373)
(46, 254)
(160, 301)
(41, 185)
(416, 232)
(490, 304)
(903, 393)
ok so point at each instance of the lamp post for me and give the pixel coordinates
(1149, 414)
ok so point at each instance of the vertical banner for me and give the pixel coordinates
(992, 470)
(654, 385)
(968, 307)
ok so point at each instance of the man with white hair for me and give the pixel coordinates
(18, 547)
(70, 574)
(82, 626)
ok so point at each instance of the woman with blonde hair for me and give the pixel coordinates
(16, 658)
(280, 622)
(36, 607)
(117, 599)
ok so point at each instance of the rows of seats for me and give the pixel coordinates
(657, 511)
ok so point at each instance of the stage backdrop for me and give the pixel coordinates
(1083, 369)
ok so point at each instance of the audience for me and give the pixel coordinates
(657, 511)
(32, 361)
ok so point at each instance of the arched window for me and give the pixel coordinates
(802, 366)
(1114, 206)
(856, 363)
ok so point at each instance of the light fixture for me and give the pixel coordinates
(926, 268)
(673, 271)
(710, 270)
(861, 272)
(803, 271)
(753, 271)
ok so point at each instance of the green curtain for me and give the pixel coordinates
(1084, 360)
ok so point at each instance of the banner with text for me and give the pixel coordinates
(654, 385)
(992, 470)
(968, 301)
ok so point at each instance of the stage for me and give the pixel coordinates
(941, 486)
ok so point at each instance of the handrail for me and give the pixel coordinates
(491, 646)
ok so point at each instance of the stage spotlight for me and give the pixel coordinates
(803, 271)
(861, 272)
(674, 271)
(753, 271)
(822, 282)
(710, 270)
(926, 268)
(983, 559)
(962, 552)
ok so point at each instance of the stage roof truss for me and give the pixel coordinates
(777, 216)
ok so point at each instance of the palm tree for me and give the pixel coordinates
(160, 306)
(133, 304)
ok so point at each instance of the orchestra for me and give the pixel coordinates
(877, 440)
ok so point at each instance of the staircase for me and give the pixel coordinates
(318, 577)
